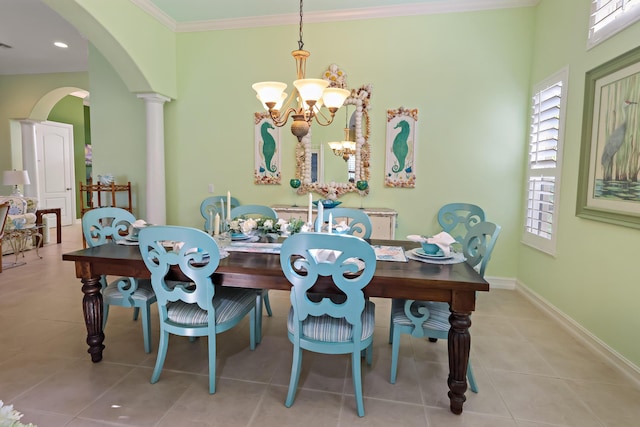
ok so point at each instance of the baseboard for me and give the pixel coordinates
(615, 359)
(501, 282)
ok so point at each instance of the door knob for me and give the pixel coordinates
(68, 189)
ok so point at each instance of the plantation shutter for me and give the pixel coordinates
(609, 17)
(543, 167)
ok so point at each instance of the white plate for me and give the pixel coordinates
(240, 237)
(419, 252)
(131, 238)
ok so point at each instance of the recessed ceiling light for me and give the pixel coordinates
(61, 45)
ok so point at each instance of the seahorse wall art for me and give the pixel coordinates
(267, 151)
(400, 148)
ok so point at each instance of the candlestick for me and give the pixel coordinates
(216, 224)
(330, 226)
(210, 224)
(320, 220)
(310, 216)
(222, 209)
(229, 205)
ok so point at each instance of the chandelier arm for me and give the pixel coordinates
(280, 119)
(326, 122)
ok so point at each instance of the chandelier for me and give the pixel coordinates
(309, 95)
(346, 147)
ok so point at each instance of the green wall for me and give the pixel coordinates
(70, 109)
(598, 288)
(19, 95)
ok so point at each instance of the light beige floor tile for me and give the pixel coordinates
(615, 405)
(309, 409)
(443, 417)
(46, 419)
(235, 403)
(380, 413)
(543, 399)
(510, 354)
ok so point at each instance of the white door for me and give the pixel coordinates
(55, 168)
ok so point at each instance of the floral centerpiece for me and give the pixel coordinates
(10, 417)
(266, 226)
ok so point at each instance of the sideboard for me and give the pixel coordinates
(382, 219)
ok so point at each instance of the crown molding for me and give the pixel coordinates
(430, 8)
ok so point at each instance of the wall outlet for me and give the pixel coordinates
(210, 188)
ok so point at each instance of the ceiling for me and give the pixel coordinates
(30, 27)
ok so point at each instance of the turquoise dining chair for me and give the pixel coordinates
(430, 319)
(320, 324)
(211, 206)
(262, 294)
(457, 218)
(358, 220)
(196, 308)
(109, 225)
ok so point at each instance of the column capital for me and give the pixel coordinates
(153, 97)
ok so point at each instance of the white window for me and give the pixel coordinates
(545, 154)
(610, 16)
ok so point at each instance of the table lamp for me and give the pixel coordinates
(16, 178)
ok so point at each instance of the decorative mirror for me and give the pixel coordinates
(355, 166)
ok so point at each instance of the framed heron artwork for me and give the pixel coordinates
(400, 168)
(267, 150)
(609, 176)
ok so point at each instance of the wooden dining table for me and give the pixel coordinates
(456, 284)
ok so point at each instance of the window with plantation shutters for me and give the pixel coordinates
(609, 17)
(545, 152)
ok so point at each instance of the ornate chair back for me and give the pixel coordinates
(101, 225)
(358, 220)
(478, 244)
(211, 206)
(457, 218)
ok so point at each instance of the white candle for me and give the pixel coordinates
(222, 208)
(330, 226)
(320, 221)
(216, 224)
(310, 217)
(229, 205)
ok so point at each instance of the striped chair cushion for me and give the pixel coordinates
(228, 303)
(329, 329)
(143, 293)
(438, 315)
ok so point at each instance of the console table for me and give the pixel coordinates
(57, 213)
(383, 220)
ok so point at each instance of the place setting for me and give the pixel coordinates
(435, 250)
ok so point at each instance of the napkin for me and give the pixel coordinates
(342, 227)
(140, 223)
(443, 239)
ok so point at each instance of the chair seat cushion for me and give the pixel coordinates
(143, 293)
(330, 329)
(228, 303)
(438, 315)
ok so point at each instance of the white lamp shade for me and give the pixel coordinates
(334, 97)
(269, 91)
(278, 105)
(15, 177)
(310, 89)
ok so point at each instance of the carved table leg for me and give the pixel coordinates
(92, 309)
(459, 345)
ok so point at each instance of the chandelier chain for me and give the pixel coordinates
(300, 42)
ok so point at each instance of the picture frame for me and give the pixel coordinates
(609, 169)
(401, 142)
(267, 151)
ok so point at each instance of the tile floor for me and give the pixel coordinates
(530, 372)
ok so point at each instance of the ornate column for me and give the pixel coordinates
(156, 192)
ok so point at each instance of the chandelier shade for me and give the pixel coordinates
(306, 100)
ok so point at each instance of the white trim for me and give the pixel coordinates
(501, 283)
(615, 359)
(429, 8)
